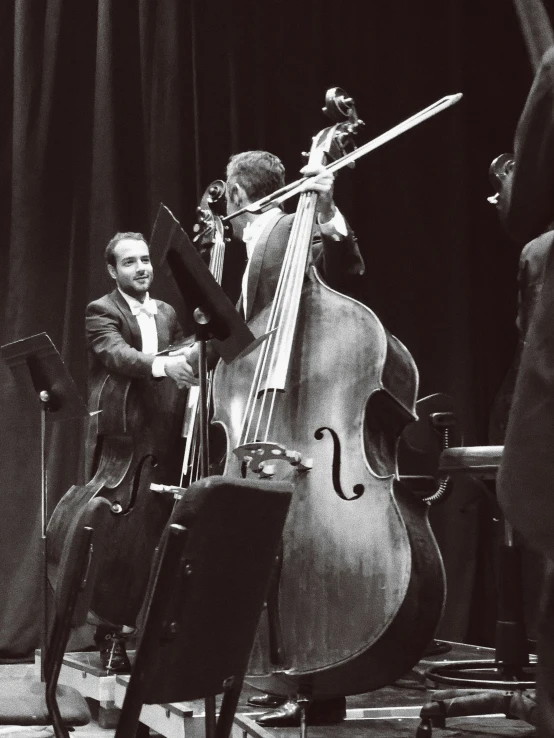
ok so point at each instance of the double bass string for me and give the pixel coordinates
(268, 346)
(193, 445)
(291, 291)
(282, 316)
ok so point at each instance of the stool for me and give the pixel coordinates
(510, 672)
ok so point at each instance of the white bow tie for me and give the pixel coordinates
(247, 234)
(148, 307)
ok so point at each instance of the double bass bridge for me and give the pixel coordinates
(259, 457)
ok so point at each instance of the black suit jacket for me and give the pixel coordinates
(338, 262)
(114, 339)
(532, 264)
(525, 487)
(525, 480)
(114, 348)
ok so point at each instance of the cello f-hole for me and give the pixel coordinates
(358, 489)
(136, 483)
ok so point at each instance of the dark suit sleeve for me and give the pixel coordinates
(531, 206)
(527, 468)
(337, 258)
(105, 341)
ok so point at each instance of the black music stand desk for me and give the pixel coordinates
(44, 379)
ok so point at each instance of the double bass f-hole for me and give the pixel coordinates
(124, 509)
(358, 489)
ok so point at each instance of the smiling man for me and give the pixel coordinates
(125, 330)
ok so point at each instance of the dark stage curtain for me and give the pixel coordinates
(109, 108)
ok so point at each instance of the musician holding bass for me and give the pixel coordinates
(252, 175)
(124, 331)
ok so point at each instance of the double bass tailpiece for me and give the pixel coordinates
(257, 454)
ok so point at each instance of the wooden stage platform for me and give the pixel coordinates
(385, 713)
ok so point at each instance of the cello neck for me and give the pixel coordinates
(211, 231)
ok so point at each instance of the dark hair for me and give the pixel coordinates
(258, 172)
(109, 251)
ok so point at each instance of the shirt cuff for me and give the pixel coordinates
(158, 367)
(335, 227)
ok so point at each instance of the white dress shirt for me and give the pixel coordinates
(144, 313)
(335, 228)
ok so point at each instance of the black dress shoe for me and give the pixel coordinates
(113, 655)
(265, 700)
(319, 712)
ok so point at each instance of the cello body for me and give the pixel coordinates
(133, 442)
(359, 589)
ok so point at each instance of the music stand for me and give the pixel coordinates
(42, 376)
(215, 316)
(210, 578)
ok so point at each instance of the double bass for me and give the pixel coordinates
(134, 439)
(134, 450)
(210, 239)
(359, 588)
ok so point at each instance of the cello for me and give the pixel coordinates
(137, 424)
(133, 451)
(359, 587)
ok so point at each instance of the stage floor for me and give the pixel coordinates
(366, 713)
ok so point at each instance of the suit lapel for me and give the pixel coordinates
(162, 327)
(135, 338)
(256, 261)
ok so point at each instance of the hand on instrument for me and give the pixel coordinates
(180, 371)
(190, 353)
(323, 185)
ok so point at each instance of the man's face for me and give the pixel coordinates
(133, 270)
